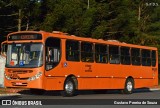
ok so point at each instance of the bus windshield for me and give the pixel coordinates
(24, 55)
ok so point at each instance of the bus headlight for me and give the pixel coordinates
(35, 77)
(7, 77)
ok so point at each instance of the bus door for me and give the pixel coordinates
(52, 53)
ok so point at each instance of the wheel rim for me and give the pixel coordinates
(69, 87)
(129, 86)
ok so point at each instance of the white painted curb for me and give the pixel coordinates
(10, 94)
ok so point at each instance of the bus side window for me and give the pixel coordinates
(101, 53)
(125, 56)
(114, 55)
(146, 57)
(153, 58)
(135, 56)
(72, 50)
(87, 52)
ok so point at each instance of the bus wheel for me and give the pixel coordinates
(37, 91)
(129, 86)
(69, 87)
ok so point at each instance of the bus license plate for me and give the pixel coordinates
(18, 83)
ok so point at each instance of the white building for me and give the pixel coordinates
(2, 68)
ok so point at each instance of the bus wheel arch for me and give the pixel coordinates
(70, 86)
(129, 85)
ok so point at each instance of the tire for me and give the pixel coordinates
(69, 88)
(37, 91)
(129, 86)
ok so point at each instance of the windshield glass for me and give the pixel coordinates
(24, 55)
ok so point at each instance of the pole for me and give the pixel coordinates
(19, 20)
(88, 5)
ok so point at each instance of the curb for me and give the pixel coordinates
(10, 94)
(146, 89)
(18, 94)
(154, 89)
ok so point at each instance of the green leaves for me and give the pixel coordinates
(131, 21)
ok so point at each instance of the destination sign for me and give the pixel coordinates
(26, 36)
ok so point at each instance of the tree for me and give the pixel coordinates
(131, 21)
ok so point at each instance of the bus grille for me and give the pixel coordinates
(22, 84)
(19, 78)
(15, 74)
(20, 71)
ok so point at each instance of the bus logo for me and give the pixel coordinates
(21, 63)
(65, 64)
(6, 102)
(88, 68)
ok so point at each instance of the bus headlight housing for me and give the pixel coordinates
(7, 77)
(35, 77)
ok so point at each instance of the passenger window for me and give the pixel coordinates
(135, 54)
(146, 57)
(72, 50)
(101, 53)
(114, 55)
(125, 56)
(86, 52)
(153, 58)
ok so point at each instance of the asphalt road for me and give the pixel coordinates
(110, 94)
(88, 99)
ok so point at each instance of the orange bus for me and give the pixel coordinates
(41, 61)
(4, 48)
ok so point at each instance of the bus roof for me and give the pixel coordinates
(59, 34)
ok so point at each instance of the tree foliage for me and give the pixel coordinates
(131, 21)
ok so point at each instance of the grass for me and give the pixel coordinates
(9, 90)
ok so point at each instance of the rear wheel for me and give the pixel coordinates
(129, 86)
(69, 87)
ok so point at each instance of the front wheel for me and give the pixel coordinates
(69, 87)
(129, 86)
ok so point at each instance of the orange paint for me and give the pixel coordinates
(89, 75)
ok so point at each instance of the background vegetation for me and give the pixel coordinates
(131, 21)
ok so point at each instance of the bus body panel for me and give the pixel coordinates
(89, 75)
(100, 83)
(104, 76)
(54, 83)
